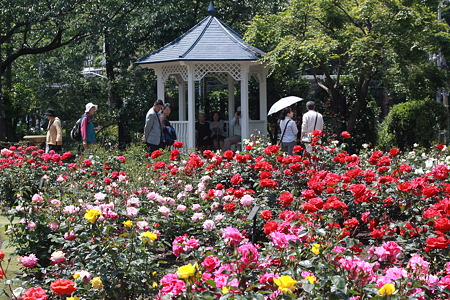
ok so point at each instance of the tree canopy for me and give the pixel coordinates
(347, 44)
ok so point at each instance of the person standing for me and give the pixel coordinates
(153, 133)
(87, 126)
(54, 132)
(217, 131)
(311, 121)
(235, 131)
(288, 129)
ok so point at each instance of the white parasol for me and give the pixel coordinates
(282, 103)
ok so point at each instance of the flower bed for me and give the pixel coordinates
(173, 226)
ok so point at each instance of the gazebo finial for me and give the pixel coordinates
(211, 9)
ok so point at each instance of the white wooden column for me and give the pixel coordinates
(230, 97)
(160, 85)
(245, 124)
(181, 99)
(191, 108)
(262, 76)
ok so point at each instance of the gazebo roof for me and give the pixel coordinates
(209, 40)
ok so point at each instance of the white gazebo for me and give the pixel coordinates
(210, 48)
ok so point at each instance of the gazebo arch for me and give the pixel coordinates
(214, 49)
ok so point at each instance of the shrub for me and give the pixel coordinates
(413, 122)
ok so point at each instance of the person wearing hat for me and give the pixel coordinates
(54, 132)
(87, 126)
(234, 132)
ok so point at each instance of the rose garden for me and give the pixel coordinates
(168, 225)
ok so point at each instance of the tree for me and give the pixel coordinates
(361, 40)
(32, 27)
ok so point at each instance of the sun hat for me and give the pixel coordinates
(89, 106)
(50, 112)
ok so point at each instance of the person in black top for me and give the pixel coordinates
(203, 132)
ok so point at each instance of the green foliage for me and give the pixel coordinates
(414, 122)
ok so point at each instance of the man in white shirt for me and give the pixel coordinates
(311, 121)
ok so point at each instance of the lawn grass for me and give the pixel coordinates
(13, 267)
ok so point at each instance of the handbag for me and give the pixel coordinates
(284, 131)
(307, 139)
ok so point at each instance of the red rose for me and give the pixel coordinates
(210, 263)
(229, 207)
(430, 191)
(393, 152)
(268, 183)
(437, 242)
(345, 134)
(156, 154)
(297, 148)
(266, 214)
(2, 255)
(442, 225)
(286, 199)
(228, 154)
(353, 222)
(178, 144)
(270, 227)
(377, 233)
(63, 286)
(440, 147)
(35, 293)
(236, 179)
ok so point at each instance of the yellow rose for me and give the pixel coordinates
(387, 289)
(91, 215)
(73, 298)
(76, 276)
(97, 283)
(225, 290)
(128, 223)
(148, 237)
(285, 283)
(310, 278)
(187, 271)
(315, 248)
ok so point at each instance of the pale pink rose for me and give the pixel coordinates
(58, 257)
(247, 200)
(142, 225)
(418, 264)
(60, 178)
(31, 225)
(72, 186)
(209, 225)
(164, 210)
(84, 275)
(206, 178)
(160, 199)
(196, 207)
(122, 178)
(232, 235)
(55, 202)
(133, 202)
(215, 205)
(71, 209)
(170, 201)
(151, 196)
(188, 188)
(132, 212)
(181, 208)
(219, 193)
(219, 218)
(100, 196)
(181, 195)
(37, 198)
(29, 261)
(201, 187)
(53, 225)
(198, 217)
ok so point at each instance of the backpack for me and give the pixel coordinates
(169, 134)
(75, 133)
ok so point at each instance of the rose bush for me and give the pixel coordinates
(168, 225)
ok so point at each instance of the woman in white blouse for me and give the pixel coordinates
(288, 130)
